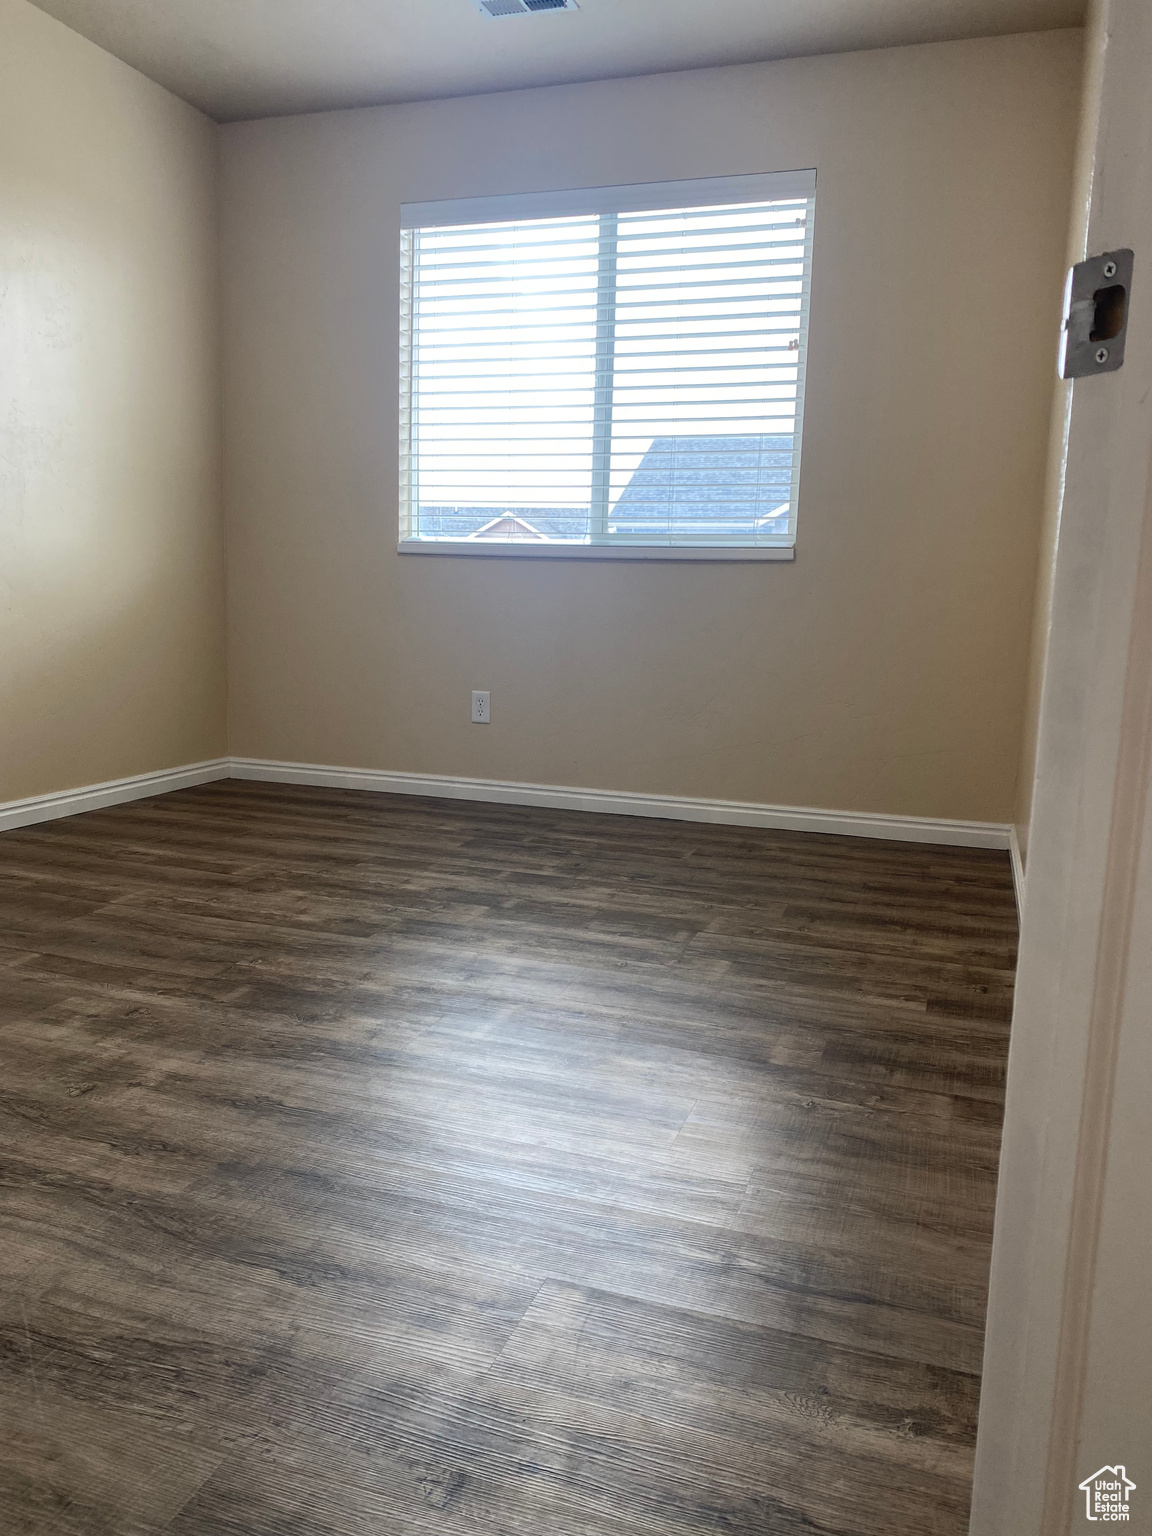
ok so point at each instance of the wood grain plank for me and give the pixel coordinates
(372, 1164)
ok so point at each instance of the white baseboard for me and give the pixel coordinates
(906, 829)
(738, 813)
(93, 797)
(1017, 869)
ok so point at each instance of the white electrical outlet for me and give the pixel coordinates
(481, 707)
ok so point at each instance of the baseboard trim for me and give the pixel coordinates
(94, 797)
(1017, 869)
(906, 829)
(737, 813)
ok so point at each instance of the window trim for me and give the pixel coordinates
(713, 190)
(531, 550)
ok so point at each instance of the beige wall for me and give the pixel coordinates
(885, 670)
(111, 538)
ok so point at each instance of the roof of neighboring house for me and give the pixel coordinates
(507, 526)
(703, 483)
(738, 480)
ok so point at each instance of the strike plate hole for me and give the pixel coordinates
(1108, 320)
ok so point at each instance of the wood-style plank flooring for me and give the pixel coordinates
(376, 1165)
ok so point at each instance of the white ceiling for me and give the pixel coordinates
(257, 58)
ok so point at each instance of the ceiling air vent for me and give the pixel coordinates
(522, 7)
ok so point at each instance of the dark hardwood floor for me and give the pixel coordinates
(375, 1165)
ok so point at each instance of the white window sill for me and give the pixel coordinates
(531, 550)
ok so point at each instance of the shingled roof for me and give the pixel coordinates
(691, 483)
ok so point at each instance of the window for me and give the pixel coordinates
(617, 372)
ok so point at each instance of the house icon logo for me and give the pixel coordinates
(1106, 1494)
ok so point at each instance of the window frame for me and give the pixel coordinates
(606, 202)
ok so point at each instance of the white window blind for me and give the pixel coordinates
(606, 371)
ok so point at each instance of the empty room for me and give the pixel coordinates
(575, 767)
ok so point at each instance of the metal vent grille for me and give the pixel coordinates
(522, 7)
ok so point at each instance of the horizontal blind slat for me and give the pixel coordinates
(545, 319)
(681, 283)
(515, 265)
(435, 260)
(581, 436)
(681, 335)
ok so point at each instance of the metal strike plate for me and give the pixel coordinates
(1095, 315)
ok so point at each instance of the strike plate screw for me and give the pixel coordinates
(1102, 355)
(1109, 269)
